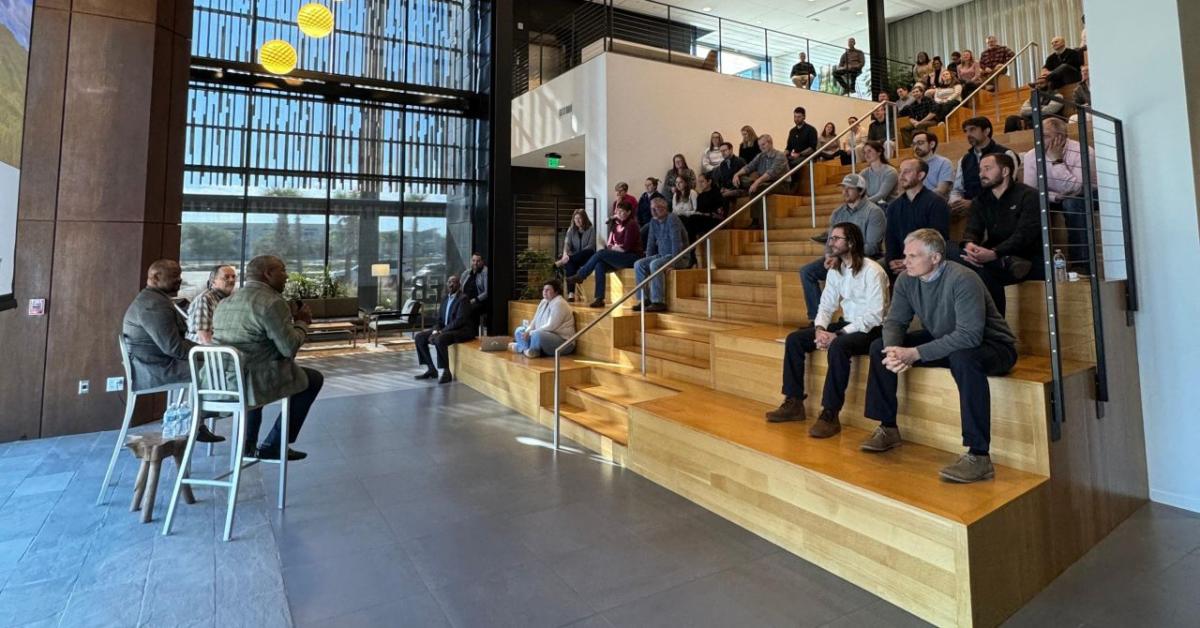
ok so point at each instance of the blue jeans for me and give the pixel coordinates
(546, 342)
(811, 277)
(605, 261)
(1074, 214)
(648, 265)
(577, 261)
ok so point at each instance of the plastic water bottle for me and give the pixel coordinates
(1060, 266)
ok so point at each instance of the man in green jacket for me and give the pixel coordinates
(268, 331)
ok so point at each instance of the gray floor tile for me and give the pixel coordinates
(37, 601)
(529, 595)
(419, 610)
(879, 615)
(113, 605)
(340, 533)
(260, 610)
(595, 621)
(468, 551)
(347, 583)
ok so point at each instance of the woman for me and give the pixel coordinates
(832, 150)
(578, 247)
(624, 248)
(679, 169)
(922, 68)
(852, 142)
(748, 149)
(710, 208)
(969, 73)
(947, 98)
(937, 71)
(712, 157)
(683, 198)
(881, 177)
(553, 322)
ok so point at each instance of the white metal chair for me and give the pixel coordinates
(223, 389)
(179, 388)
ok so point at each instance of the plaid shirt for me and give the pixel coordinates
(996, 57)
(200, 313)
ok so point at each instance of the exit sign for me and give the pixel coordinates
(553, 161)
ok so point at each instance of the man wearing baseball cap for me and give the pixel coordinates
(863, 214)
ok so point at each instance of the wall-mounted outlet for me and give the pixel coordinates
(84, 386)
(114, 384)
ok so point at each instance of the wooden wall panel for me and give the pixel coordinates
(43, 115)
(24, 338)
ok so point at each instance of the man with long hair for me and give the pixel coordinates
(858, 285)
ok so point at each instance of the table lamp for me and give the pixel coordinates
(379, 271)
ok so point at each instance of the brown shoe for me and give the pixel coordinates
(969, 468)
(827, 425)
(883, 439)
(792, 409)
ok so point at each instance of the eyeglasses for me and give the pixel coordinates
(837, 237)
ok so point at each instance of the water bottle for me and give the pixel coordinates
(1060, 266)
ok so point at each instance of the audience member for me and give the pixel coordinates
(969, 72)
(961, 330)
(1064, 64)
(1064, 184)
(947, 97)
(994, 57)
(679, 169)
(955, 59)
(454, 324)
(923, 68)
(1083, 92)
(857, 286)
(803, 72)
(966, 182)
(552, 324)
(723, 175)
(579, 246)
(1046, 98)
(849, 67)
(268, 332)
(922, 114)
(710, 206)
(941, 172)
(748, 149)
(668, 237)
(620, 193)
(1003, 238)
(683, 198)
(474, 282)
(154, 335)
(643, 204)
(904, 99)
(221, 282)
(624, 248)
(802, 139)
(863, 214)
(880, 130)
(917, 208)
(712, 156)
(880, 177)
(852, 142)
(830, 147)
(935, 77)
(766, 167)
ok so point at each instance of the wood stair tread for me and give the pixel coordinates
(617, 431)
(680, 334)
(698, 363)
(608, 394)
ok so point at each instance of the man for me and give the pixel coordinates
(154, 335)
(966, 182)
(1063, 64)
(904, 99)
(879, 130)
(668, 237)
(1083, 92)
(803, 72)
(621, 193)
(922, 113)
(767, 166)
(1064, 184)
(994, 57)
(723, 175)
(961, 331)
(1003, 238)
(852, 142)
(917, 208)
(955, 59)
(221, 282)
(1046, 99)
(268, 331)
(802, 139)
(454, 324)
(857, 285)
(941, 171)
(643, 206)
(863, 214)
(849, 67)
(474, 283)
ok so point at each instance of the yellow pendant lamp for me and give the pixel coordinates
(315, 20)
(277, 56)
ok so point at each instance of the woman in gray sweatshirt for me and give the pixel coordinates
(881, 177)
(578, 247)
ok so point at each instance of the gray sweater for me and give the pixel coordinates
(580, 240)
(881, 183)
(954, 307)
(869, 219)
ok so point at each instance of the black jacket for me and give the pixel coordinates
(1009, 225)
(802, 138)
(461, 316)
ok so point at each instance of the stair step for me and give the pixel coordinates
(763, 278)
(789, 263)
(677, 342)
(766, 295)
(693, 362)
(787, 247)
(617, 431)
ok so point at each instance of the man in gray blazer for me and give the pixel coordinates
(154, 333)
(268, 331)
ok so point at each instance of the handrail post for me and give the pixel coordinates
(642, 312)
(854, 153)
(720, 45)
(708, 270)
(812, 193)
(1057, 394)
(1085, 158)
(766, 237)
(557, 401)
(668, 34)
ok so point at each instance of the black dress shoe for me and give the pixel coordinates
(656, 307)
(636, 308)
(272, 453)
(205, 435)
(446, 377)
(430, 374)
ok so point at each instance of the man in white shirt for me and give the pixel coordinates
(1064, 184)
(858, 285)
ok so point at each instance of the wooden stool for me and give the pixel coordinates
(151, 448)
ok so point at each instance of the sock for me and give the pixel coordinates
(891, 424)
(977, 452)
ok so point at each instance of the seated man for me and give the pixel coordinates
(723, 175)
(940, 178)
(922, 113)
(1063, 64)
(765, 168)
(803, 72)
(916, 208)
(268, 331)
(857, 285)
(1003, 238)
(668, 237)
(871, 224)
(961, 331)
(966, 181)
(1024, 118)
(154, 334)
(474, 283)
(221, 282)
(1064, 185)
(849, 67)
(455, 324)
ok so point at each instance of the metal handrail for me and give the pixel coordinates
(999, 72)
(640, 287)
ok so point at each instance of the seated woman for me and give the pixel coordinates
(834, 149)
(947, 98)
(880, 176)
(711, 158)
(748, 149)
(624, 249)
(552, 324)
(710, 209)
(969, 73)
(578, 247)
(679, 170)
(936, 74)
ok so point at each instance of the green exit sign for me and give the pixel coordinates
(553, 162)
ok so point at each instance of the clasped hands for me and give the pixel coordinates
(900, 359)
(977, 255)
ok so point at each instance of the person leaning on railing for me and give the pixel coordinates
(579, 246)
(623, 250)
(668, 237)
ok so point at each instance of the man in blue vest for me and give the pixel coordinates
(455, 324)
(966, 183)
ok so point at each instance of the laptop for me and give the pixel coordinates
(494, 343)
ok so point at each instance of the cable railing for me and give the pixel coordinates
(1001, 71)
(761, 196)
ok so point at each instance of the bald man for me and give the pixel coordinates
(154, 332)
(1063, 63)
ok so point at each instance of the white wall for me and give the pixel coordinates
(1164, 218)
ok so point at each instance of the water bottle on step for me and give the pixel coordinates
(1060, 266)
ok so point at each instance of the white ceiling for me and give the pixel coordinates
(572, 151)
(830, 21)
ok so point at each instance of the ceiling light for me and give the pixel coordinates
(859, 13)
(277, 56)
(706, 9)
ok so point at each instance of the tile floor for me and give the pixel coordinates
(426, 505)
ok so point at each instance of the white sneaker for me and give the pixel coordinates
(532, 353)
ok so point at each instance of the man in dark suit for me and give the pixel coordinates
(455, 323)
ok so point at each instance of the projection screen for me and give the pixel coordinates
(16, 21)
